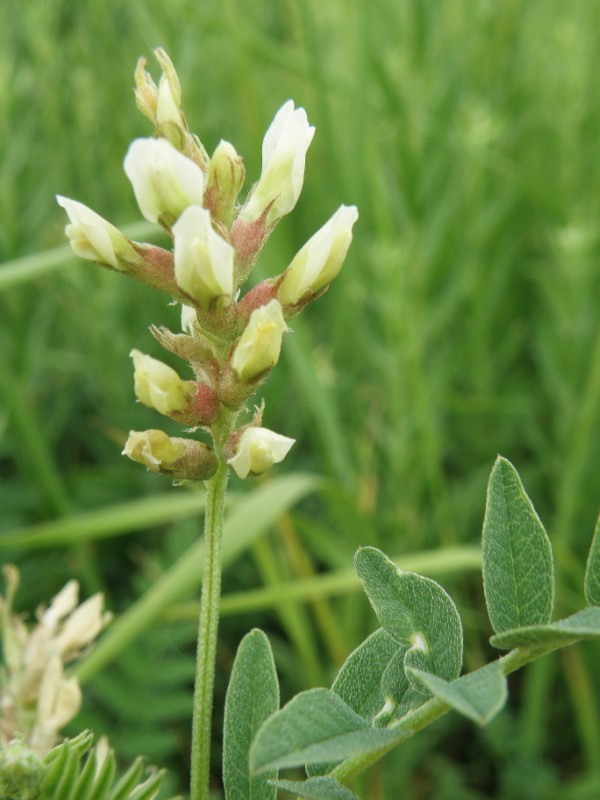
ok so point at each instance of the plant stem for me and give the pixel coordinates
(208, 625)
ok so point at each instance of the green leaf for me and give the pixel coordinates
(315, 727)
(323, 788)
(592, 572)
(518, 577)
(478, 695)
(585, 624)
(252, 696)
(415, 611)
(358, 682)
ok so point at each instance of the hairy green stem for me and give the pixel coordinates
(208, 625)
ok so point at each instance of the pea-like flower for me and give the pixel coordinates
(164, 181)
(92, 237)
(257, 450)
(158, 386)
(321, 258)
(259, 346)
(183, 459)
(203, 259)
(283, 159)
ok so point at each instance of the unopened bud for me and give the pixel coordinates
(257, 450)
(259, 346)
(203, 260)
(165, 182)
(226, 175)
(321, 258)
(158, 386)
(283, 159)
(181, 459)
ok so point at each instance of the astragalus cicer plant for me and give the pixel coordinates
(408, 672)
(230, 341)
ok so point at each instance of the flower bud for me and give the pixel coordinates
(283, 158)
(226, 175)
(321, 258)
(92, 237)
(203, 260)
(164, 181)
(182, 459)
(259, 345)
(257, 450)
(158, 386)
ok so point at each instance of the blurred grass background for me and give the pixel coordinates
(465, 323)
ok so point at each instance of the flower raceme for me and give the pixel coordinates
(257, 450)
(164, 181)
(321, 258)
(229, 343)
(204, 266)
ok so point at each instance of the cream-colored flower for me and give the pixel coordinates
(158, 386)
(164, 181)
(203, 259)
(321, 258)
(92, 237)
(257, 450)
(153, 448)
(259, 346)
(283, 160)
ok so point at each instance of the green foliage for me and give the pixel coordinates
(479, 695)
(592, 572)
(21, 772)
(518, 574)
(584, 625)
(315, 726)
(322, 788)
(379, 697)
(415, 611)
(464, 324)
(75, 771)
(252, 696)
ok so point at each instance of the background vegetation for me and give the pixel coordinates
(465, 323)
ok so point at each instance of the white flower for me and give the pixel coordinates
(203, 260)
(91, 236)
(158, 386)
(259, 345)
(321, 258)
(258, 449)
(164, 181)
(283, 158)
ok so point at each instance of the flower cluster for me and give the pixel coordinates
(230, 343)
(36, 698)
